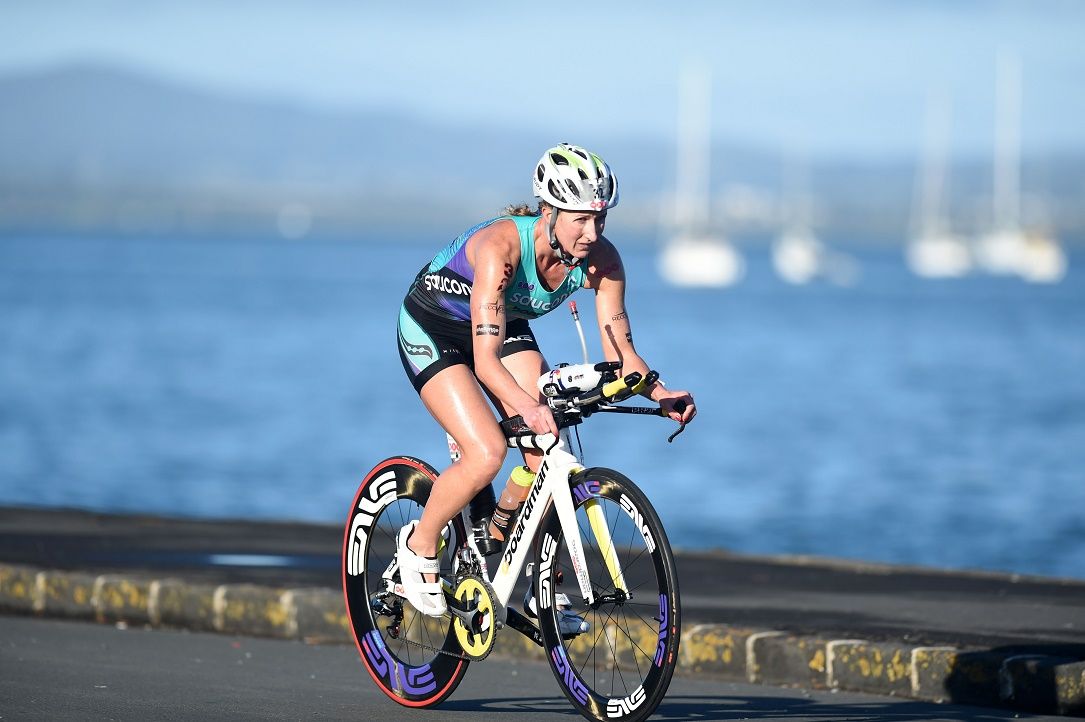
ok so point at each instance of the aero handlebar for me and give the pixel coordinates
(571, 410)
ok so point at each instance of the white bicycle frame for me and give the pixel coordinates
(551, 483)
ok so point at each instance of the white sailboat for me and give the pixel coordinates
(933, 251)
(798, 255)
(1008, 249)
(695, 255)
(1045, 261)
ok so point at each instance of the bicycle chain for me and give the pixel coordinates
(452, 621)
(438, 650)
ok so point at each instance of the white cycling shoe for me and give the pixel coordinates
(570, 623)
(426, 597)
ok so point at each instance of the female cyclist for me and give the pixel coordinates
(464, 334)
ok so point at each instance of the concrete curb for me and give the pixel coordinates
(1034, 683)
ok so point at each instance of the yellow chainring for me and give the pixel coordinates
(478, 641)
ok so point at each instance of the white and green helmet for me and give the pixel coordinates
(573, 179)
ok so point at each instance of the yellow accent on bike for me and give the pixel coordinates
(597, 520)
(618, 386)
(522, 476)
(477, 641)
(612, 389)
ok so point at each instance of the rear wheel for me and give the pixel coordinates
(414, 659)
(621, 667)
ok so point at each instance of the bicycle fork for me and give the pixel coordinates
(601, 530)
(563, 503)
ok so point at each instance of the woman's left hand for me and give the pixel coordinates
(670, 400)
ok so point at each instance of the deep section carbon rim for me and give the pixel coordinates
(621, 667)
(413, 658)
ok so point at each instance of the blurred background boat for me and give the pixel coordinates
(694, 253)
(933, 250)
(1008, 248)
(798, 255)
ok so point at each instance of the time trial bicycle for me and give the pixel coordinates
(591, 530)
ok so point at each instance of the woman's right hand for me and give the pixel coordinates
(539, 417)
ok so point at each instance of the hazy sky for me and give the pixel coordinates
(827, 76)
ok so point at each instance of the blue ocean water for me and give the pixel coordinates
(898, 420)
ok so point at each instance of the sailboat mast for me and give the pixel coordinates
(932, 179)
(1007, 191)
(694, 152)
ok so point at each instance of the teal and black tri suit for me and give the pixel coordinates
(435, 319)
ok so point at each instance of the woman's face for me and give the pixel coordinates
(578, 231)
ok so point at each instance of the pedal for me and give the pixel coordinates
(570, 624)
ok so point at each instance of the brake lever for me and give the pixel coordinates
(679, 406)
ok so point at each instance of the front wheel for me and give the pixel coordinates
(414, 659)
(620, 668)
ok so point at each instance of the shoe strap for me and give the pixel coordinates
(417, 563)
(428, 588)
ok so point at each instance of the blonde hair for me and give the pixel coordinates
(523, 209)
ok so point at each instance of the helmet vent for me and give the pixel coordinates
(559, 159)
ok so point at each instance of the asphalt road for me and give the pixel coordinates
(54, 670)
(805, 596)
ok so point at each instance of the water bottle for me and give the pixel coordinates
(512, 499)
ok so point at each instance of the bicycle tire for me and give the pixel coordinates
(420, 665)
(621, 667)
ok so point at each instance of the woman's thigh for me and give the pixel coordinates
(526, 367)
(456, 401)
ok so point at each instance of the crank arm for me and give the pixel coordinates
(524, 626)
(464, 612)
(465, 616)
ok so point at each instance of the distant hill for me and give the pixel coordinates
(122, 133)
(91, 119)
(108, 125)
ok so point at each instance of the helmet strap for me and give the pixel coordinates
(565, 258)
